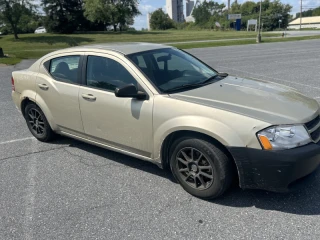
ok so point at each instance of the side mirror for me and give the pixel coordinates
(129, 91)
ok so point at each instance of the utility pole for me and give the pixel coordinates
(259, 33)
(300, 14)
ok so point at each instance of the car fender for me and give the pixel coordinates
(45, 109)
(27, 94)
(213, 128)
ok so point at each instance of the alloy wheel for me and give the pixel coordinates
(194, 168)
(36, 122)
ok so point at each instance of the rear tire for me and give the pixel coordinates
(38, 123)
(201, 168)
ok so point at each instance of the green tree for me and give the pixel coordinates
(214, 7)
(118, 13)
(275, 12)
(201, 14)
(235, 8)
(127, 10)
(310, 13)
(63, 16)
(249, 8)
(204, 11)
(13, 11)
(160, 21)
(272, 12)
(97, 10)
(29, 22)
(316, 12)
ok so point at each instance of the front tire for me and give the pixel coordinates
(201, 168)
(38, 123)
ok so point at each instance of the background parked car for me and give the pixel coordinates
(40, 30)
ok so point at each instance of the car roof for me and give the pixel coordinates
(124, 48)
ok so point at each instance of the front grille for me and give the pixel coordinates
(313, 123)
(314, 133)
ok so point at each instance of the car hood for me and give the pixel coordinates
(269, 102)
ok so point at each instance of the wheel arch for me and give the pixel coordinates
(25, 97)
(217, 130)
(26, 100)
(165, 148)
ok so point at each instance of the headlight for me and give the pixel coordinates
(283, 137)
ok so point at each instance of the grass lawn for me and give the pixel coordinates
(9, 60)
(242, 42)
(37, 45)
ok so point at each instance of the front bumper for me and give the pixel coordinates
(275, 170)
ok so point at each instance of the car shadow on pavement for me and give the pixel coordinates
(104, 156)
(304, 200)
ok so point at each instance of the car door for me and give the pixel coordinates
(121, 123)
(57, 85)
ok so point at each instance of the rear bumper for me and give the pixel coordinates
(275, 170)
(16, 99)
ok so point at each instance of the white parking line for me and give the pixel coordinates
(17, 140)
(29, 198)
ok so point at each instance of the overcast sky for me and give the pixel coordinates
(151, 5)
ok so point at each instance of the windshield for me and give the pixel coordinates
(171, 68)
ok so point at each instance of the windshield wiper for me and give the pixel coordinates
(184, 86)
(221, 75)
(195, 85)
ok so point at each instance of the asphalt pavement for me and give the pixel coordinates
(72, 190)
(295, 64)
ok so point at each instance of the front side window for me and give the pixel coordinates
(170, 69)
(106, 73)
(65, 69)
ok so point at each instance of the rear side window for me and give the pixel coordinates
(65, 69)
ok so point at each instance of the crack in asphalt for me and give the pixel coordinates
(29, 153)
(92, 163)
(68, 152)
(84, 160)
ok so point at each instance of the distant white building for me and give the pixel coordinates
(175, 10)
(148, 21)
(189, 7)
(307, 22)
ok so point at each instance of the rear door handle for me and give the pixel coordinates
(89, 97)
(43, 86)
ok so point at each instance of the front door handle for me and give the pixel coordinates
(43, 86)
(89, 97)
